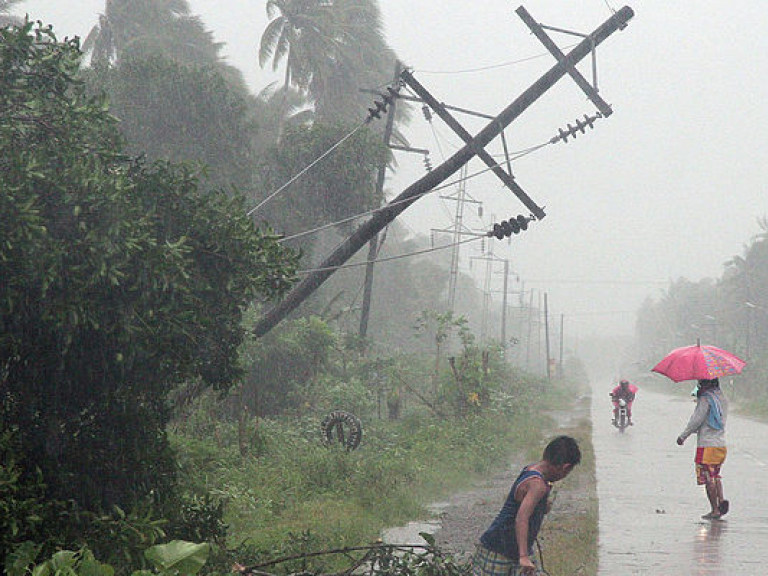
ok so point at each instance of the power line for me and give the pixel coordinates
(598, 313)
(390, 258)
(590, 281)
(415, 197)
(611, 9)
(491, 66)
(306, 169)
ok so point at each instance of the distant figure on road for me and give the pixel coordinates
(506, 548)
(708, 421)
(625, 391)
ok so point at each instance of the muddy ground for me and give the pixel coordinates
(466, 515)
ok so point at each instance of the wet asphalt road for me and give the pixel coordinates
(650, 506)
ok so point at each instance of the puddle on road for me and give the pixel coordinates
(569, 418)
(409, 534)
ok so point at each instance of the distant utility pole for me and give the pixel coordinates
(546, 335)
(475, 146)
(457, 230)
(504, 306)
(562, 326)
(529, 336)
(489, 260)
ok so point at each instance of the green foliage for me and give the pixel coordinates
(183, 112)
(296, 484)
(376, 560)
(120, 281)
(287, 493)
(474, 371)
(68, 563)
(284, 365)
(341, 185)
(176, 558)
(350, 393)
(413, 561)
(22, 505)
(199, 518)
(135, 28)
(330, 50)
(119, 537)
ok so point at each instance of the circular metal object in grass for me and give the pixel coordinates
(343, 428)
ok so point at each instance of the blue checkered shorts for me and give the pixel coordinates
(487, 563)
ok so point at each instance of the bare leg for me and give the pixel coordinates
(714, 494)
(719, 490)
(722, 504)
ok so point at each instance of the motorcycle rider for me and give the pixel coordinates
(627, 392)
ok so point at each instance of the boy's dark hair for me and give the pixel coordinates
(562, 450)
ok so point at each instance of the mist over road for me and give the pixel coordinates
(650, 506)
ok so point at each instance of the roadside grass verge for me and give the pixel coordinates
(292, 495)
(569, 536)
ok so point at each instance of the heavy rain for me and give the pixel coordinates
(300, 286)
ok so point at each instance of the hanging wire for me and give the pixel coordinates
(411, 198)
(379, 108)
(610, 8)
(306, 169)
(442, 157)
(390, 258)
(493, 66)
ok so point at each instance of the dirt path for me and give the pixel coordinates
(467, 514)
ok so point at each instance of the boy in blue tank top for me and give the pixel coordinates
(506, 548)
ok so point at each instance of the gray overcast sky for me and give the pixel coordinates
(671, 185)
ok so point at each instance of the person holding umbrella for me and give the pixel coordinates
(708, 421)
(705, 364)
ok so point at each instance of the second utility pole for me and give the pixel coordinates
(373, 249)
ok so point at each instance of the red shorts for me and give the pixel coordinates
(708, 461)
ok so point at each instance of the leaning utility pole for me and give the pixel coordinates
(474, 147)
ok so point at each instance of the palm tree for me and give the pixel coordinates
(330, 50)
(139, 27)
(273, 107)
(361, 59)
(301, 33)
(6, 18)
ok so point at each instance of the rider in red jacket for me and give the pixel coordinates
(626, 391)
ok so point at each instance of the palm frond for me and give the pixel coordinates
(269, 40)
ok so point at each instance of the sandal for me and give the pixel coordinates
(724, 507)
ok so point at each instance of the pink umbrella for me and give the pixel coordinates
(698, 363)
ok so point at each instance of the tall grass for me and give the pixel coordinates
(291, 494)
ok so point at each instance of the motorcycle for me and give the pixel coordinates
(622, 421)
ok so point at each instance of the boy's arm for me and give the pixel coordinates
(536, 490)
(697, 419)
